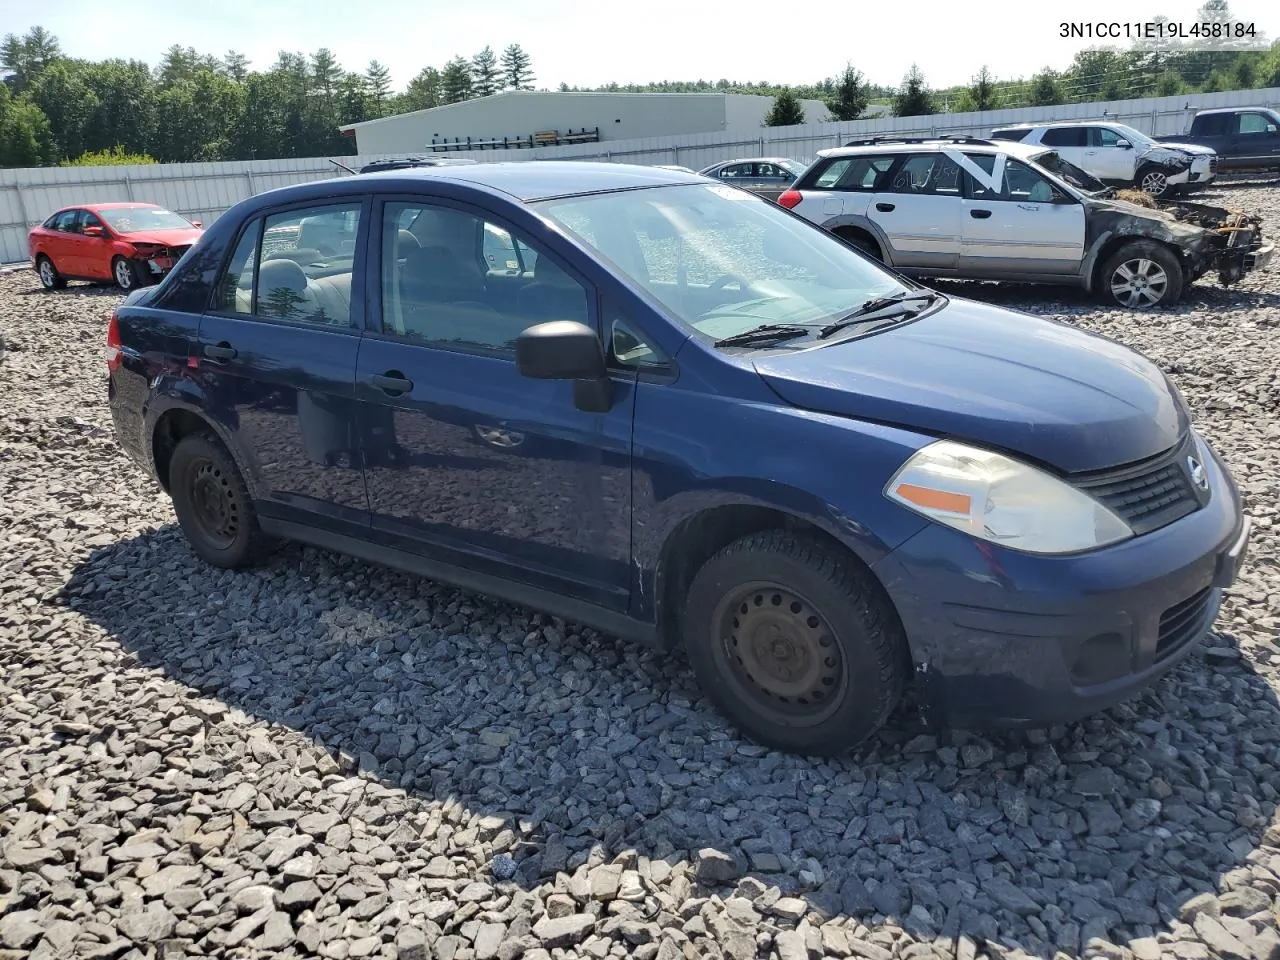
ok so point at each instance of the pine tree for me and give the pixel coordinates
(455, 81)
(423, 91)
(786, 111)
(378, 77)
(851, 96)
(1045, 89)
(235, 65)
(983, 90)
(517, 68)
(913, 98)
(485, 76)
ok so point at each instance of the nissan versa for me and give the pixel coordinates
(676, 412)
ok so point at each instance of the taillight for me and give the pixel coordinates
(114, 353)
(789, 199)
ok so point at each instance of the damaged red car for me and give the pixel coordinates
(130, 244)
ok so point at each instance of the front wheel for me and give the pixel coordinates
(213, 504)
(1142, 274)
(1154, 182)
(795, 643)
(124, 273)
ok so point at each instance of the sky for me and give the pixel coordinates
(591, 43)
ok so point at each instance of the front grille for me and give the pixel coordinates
(1182, 623)
(1149, 494)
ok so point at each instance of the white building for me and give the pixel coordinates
(529, 118)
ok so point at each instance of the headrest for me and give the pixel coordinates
(277, 274)
(406, 240)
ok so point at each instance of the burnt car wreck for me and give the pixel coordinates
(1208, 238)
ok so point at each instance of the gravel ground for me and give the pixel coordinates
(324, 757)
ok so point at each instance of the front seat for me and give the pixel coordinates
(553, 295)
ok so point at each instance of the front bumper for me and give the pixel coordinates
(1259, 259)
(1001, 638)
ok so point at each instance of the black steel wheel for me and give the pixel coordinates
(795, 641)
(213, 504)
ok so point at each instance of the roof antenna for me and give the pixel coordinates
(342, 165)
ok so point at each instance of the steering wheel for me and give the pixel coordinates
(721, 282)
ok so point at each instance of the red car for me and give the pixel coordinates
(132, 244)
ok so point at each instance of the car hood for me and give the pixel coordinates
(179, 237)
(1047, 391)
(1196, 148)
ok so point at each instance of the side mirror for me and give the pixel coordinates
(94, 232)
(196, 223)
(1124, 144)
(567, 350)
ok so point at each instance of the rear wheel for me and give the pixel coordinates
(213, 504)
(125, 274)
(49, 276)
(1142, 274)
(863, 243)
(795, 643)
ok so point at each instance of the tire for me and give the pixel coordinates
(213, 505)
(1146, 260)
(125, 274)
(808, 602)
(50, 279)
(1154, 182)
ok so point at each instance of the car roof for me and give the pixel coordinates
(122, 205)
(1099, 122)
(529, 180)
(1234, 109)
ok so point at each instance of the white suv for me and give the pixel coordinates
(996, 210)
(1119, 155)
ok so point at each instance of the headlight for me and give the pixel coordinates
(996, 498)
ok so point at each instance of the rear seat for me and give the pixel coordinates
(286, 293)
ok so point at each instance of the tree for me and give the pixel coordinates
(486, 78)
(325, 74)
(423, 91)
(28, 56)
(786, 111)
(517, 68)
(914, 98)
(1046, 91)
(126, 108)
(63, 96)
(1169, 84)
(850, 99)
(235, 65)
(181, 63)
(455, 81)
(115, 156)
(378, 77)
(25, 137)
(983, 90)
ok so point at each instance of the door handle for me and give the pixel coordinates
(223, 351)
(885, 207)
(979, 214)
(392, 383)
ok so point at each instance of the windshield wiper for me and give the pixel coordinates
(765, 333)
(872, 306)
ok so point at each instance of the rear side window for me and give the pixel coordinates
(1215, 125)
(271, 275)
(854, 173)
(1066, 137)
(927, 173)
(1016, 135)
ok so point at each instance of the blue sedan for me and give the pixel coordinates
(671, 410)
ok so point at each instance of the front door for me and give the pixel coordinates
(277, 358)
(96, 250)
(467, 460)
(1116, 162)
(1012, 223)
(919, 211)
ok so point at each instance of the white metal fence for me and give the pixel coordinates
(203, 191)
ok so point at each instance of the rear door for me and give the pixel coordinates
(1012, 222)
(277, 355)
(918, 211)
(845, 188)
(66, 246)
(1072, 145)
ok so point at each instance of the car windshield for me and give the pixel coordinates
(1068, 172)
(723, 261)
(1136, 137)
(132, 219)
